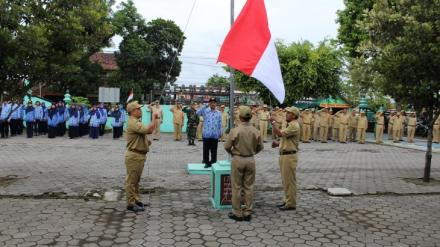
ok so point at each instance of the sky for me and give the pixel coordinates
(209, 23)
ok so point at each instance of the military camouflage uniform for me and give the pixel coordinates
(191, 125)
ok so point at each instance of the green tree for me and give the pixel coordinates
(403, 48)
(47, 41)
(308, 71)
(218, 81)
(149, 52)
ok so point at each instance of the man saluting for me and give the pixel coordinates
(135, 156)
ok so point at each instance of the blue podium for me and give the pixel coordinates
(221, 190)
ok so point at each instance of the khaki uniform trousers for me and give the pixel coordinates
(411, 131)
(263, 129)
(335, 133)
(379, 133)
(436, 134)
(288, 165)
(178, 131)
(134, 163)
(316, 133)
(396, 135)
(323, 133)
(390, 132)
(224, 135)
(243, 178)
(306, 131)
(361, 135)
(156, 132)
(352, 134)
(200, 131)
(342, 133)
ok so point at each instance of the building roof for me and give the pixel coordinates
(106, 60)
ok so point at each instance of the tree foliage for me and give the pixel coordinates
(308, 71)
(48, 42)
(148, 53)
(218, 81)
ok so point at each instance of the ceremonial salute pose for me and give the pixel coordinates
(243, 143)
(192, 123)
(177, 121)
(288, 156)
(135, 156)
(157, 118)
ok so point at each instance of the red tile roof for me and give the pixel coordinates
(106, 60)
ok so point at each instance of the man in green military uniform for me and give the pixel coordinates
(288, 156)
(192, 123)
(135, 156)
(243, 143)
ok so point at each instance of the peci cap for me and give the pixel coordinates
(244, 111)
(264, 106)
(293, 110)
(133, 105)
(222, 106)
(212, 99)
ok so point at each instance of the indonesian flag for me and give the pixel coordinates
(249, 48)
(130, 96)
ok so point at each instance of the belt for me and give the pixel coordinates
(287, 152)
(264, 120)
(344, 123)
(306, 123)
(379, 124)
(137, 151)
(411, 125)
(244, 156)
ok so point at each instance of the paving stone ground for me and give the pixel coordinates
(390, 206)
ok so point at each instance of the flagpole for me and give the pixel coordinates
(231, 81)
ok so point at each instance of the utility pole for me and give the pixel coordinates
(231, 81)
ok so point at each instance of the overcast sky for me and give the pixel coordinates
(289, 20)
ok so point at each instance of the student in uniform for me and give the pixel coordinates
(5, 117)
(94, 123)
(103, 118)
(52, 122)
(29, 118)
(73, 122)
(118, 122)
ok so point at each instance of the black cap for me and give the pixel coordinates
(212, 99)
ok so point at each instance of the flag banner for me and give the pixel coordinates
(130, 96)
(249, 48)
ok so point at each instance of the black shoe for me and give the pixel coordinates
(281, 205)
(285, 208)
(234, 217)
(135, 208)
(247, 218)
(207, 166)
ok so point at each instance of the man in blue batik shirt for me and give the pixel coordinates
(212, 131)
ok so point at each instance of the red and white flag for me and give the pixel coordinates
(249, 48)
(130, 96)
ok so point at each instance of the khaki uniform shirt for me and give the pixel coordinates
(352, 121)
(335, 123)
(362, 122)
(316, 120)
(379, 120)
(397, 123)
(137, 140)
(324, 119)
(307, 118)
(177, 115)
(343, 118)
(412, 121)
(156, 112)
(278, 116)
(290, 139)
(244, 140)
(225, 118)
(264, 115)
(437, 123)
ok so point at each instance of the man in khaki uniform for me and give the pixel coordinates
(200, 129)
(276, 114)
(436, 131)
(264, 116)
(352, 125)
(316, 125)
(243, 143)
(390, 125)
(343, 124)
(335, 128)
(137, 149)
(306, 117)
(324, 120)
(157, 118)
(236, 118)
(288, 157)
(178, 121)
(397, 128)
(362, 127)
(380, 121)
(225, 122)
(404, 123)
(412, 122)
